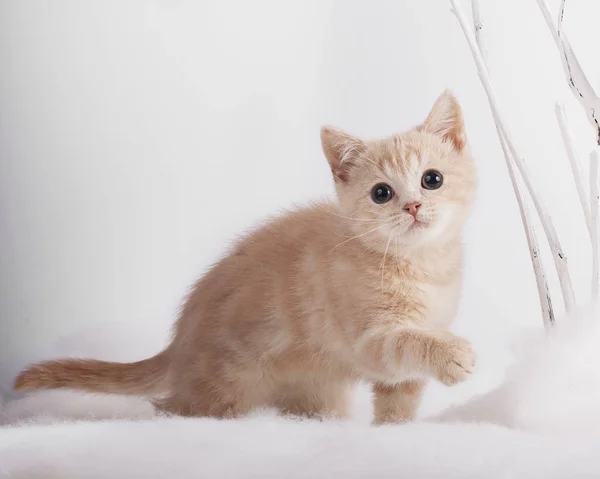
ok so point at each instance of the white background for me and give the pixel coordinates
(138, 138)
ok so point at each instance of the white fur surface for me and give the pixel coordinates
(543, 421)
(270, 448)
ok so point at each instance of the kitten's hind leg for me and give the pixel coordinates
(397, 403)
(316, 401)
(221, 401)
(172, 405)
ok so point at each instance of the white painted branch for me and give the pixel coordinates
(530, 235)
(559, 257)
(548, 17)
(561, 16)
(575, 167)
(478, 27)
(576, 78)
(594, 219)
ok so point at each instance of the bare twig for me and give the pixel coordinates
(594, 221)
(575, 168)
(530, 235)
(532, 243)
(561, 16)
(478, 27)
(576, 78)
(559, 257)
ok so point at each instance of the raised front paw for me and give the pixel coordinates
(453, 359)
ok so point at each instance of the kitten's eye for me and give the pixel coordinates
(382, 193)
(432, 180)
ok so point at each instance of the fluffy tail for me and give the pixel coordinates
(142, 378)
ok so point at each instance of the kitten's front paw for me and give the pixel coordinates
(454, 360)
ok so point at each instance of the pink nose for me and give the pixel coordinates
(412, 208)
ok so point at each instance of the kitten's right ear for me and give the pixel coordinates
(341, 150)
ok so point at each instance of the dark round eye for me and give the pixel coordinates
(432, 180)
(382, 193)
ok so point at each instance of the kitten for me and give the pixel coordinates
(363, 288)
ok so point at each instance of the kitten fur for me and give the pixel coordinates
(321, 297)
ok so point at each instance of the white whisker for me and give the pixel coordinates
(378, 213)
(384, 255)
(354, 219)
(358, 236)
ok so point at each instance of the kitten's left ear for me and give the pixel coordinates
(446, 120)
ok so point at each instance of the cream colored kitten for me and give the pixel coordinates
(363, 288)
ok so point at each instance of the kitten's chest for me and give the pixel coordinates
(432, 301)
(438, 303)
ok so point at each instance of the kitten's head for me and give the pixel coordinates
(414, 189)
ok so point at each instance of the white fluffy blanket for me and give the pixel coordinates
(543, 421)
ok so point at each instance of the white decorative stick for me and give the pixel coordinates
(561, 16)
(594, 221)
(534, 251)
(478, 27)
(560, 259)
(576, 78)
(575, 168)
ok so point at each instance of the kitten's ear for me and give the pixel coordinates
(341, 150)
(446, 120)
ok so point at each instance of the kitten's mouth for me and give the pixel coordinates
(417, 224)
